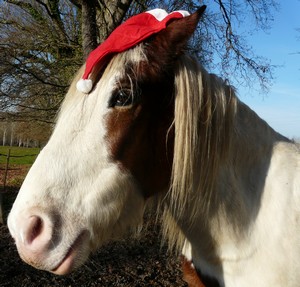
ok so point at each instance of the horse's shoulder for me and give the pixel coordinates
(287, 155)
(283, 178)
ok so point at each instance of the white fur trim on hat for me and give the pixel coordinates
(84, 85)
(158, 13)
(161, 14)
(183, 13)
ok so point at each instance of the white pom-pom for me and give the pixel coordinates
(84, 86)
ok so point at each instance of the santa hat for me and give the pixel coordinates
(127, 35)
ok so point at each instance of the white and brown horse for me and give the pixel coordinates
(156, 124)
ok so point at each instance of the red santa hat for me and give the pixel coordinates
(127, 35)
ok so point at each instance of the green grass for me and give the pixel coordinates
(18, 155)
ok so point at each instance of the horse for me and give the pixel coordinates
(157, 125)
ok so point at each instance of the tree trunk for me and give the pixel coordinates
(112, 14)
(12, 134)
(89, 27)
(4, 136)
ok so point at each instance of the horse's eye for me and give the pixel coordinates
(121, 98)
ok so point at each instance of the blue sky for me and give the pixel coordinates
(280, 107)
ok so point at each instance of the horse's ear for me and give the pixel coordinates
(170, 42)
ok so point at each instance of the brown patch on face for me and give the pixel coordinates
(138, 135)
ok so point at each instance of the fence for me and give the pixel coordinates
(8, 156)
(6, 168)
(3, 189)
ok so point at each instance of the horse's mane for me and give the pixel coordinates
(204, 109)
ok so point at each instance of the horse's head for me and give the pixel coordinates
(110, 151)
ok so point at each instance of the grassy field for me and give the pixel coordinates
(18, 155)
(20, 161)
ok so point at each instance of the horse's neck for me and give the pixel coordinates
(246, 167)
(239, 186)
(256, 205)
(242, 175)
(253, 138)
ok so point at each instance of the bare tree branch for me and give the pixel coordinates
(43, 43)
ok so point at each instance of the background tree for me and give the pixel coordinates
(44, 42)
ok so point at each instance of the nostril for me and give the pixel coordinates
(34, 229)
